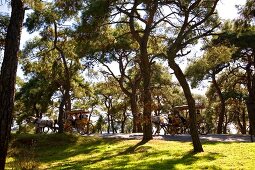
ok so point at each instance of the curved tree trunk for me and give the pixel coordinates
(222, 106)
(197, 146)
(8, 76)
(133, 83)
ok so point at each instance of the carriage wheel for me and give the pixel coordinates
(82, 126)
(45, 131)
(89, 129)
(173, 130)
(203, 128)
(81, 129)
(85, 129)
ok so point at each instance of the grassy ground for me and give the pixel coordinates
(75, 152)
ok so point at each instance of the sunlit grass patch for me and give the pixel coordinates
(77, 152)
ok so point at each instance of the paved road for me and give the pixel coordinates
(184, 137)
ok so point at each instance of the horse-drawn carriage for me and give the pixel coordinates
(178, 122)
(201, 123)
(78, 120)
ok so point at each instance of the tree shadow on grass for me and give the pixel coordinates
(87, 146)
(108, 155)
(220, 143)
(79, 165)
(129, 150)
(112, 159)
(132, 149)
(186, 162)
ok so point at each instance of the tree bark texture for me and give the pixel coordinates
(8, 76)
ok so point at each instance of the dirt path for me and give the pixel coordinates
(184, 137)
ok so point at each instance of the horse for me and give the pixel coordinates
(160, 122)
(41, 124)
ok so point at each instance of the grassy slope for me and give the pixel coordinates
(73, 152)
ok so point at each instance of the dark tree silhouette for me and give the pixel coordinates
(8, 76)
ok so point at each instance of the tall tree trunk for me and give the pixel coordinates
(251, 114)
(250, 103)
(132, 95)
(112, 124)
(66, 99)
(241, 122)
(123, 122)
(108, 105)
(137, 126)
(243, 130)
(62, 110)
(139, 122)
(147, 100)
(145, 65)
(224, 127)
(8, 76)
(197, 146)
(108, 123)
(134, 110)
(122, 126)
(90, 114)
(61, 115)
(222, 105)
